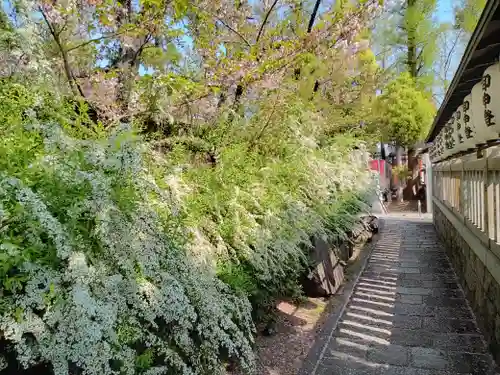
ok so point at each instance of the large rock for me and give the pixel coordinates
(328, 261)
(327, 273)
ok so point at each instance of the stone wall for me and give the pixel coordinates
(480, 287)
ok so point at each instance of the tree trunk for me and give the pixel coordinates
(413, 70)
(413, 168)
(399, 157)
(412, 44)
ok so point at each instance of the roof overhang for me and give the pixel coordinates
(482, 51)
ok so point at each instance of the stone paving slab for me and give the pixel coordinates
(406, 314)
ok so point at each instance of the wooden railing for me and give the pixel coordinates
(469, 186)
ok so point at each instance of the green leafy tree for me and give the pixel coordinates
(410, 38)
(404, 113)
(407, 41)
(407, 38)
(467, 13)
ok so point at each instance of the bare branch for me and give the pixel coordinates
(313, 16)
(264, 22)
(233, 30)
(262, 130)
(47, 22)
(450, 52)
(90, 41)
(59, 32)
(75, 87)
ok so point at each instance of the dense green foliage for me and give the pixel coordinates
(94, 270)
(116, 261)
(410, 37)
(405, 112)
(467, 13)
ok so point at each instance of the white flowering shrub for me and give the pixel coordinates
(256, 211)
(118, 259)
(95, 278)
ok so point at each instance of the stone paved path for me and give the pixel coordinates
(407, 315)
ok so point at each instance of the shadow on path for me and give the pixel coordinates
(407, 314)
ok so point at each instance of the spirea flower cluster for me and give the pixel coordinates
(95, 278)
(255, 216)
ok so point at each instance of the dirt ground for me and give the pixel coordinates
(297, 327)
